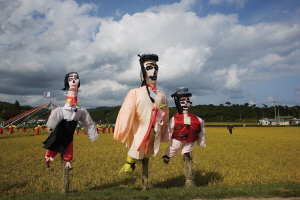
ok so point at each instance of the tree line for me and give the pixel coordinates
(210, 113)
(213, 113)
(10, 110)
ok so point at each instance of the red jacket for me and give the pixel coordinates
(184, 132)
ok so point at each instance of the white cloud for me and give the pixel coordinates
(233, 81)
(228, 78)
(98, 87)
(213, 55)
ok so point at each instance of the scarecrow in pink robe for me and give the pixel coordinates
(63, 121)
(142, 119)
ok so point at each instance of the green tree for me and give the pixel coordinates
(228, 103)
(17, 106)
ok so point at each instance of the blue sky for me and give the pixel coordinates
(238, 51)
(249, 11)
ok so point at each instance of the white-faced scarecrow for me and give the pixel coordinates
(184, 129)
(63, 122)
(142, 119)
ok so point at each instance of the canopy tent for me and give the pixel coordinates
(31, 116)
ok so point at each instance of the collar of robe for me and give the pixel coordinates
(152, 87)
(72, 101)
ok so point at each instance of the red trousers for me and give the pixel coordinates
(67, 154)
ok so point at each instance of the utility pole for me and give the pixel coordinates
(275, 110)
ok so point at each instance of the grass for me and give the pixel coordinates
(282, 190)
(252, 162)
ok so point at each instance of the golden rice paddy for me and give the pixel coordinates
(255, 155)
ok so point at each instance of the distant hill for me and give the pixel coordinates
(105, 114)
(210, 113)
(9, 110)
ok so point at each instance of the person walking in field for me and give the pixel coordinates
(142, 119)
(184, 129)
(230, 129)
(63, 121)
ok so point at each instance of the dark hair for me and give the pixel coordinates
(66, 82)
(144, 58)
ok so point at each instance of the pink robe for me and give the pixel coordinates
(134, 118)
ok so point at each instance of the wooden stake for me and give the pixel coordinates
(189, 173)
(65, 181)
(145, 163)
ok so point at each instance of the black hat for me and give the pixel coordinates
(182, 92)
(148, 56)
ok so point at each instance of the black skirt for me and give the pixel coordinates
(61, 137)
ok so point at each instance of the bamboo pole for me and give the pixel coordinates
(65, 180)
(189, 172)
(145, 175)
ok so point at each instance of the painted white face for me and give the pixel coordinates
(73, 80)
(185, 102)
(151, 69)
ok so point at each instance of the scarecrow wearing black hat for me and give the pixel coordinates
(184, 128)
(63, 122)
(142, 119)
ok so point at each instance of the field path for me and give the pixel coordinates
(273, 198)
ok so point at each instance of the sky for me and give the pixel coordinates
(237, 51)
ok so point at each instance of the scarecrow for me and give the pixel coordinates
(1, 129)
(63, 121)
(77, 129)
(11, 129)
(230, 128)
(184, 128)
(142, 119)
(23, 127)
(37, 130)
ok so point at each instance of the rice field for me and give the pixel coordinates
(255, 155)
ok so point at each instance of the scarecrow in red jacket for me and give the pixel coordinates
(63, 121)
(184, 128)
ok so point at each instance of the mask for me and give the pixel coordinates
(151, 71)
(73, 80)
(185, 102)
